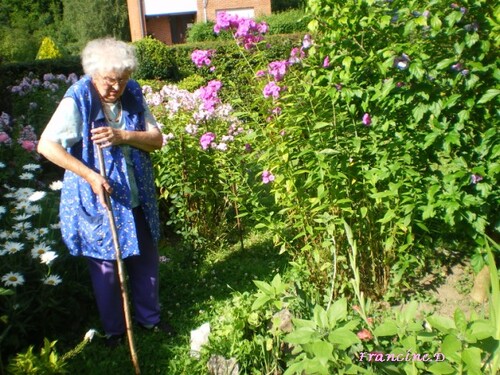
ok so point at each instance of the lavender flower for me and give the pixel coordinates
(475, 178)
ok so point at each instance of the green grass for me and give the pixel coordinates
(195, 288)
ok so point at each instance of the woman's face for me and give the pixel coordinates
(110, 85)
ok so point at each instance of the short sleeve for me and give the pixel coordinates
(65, 126)
(148, 117)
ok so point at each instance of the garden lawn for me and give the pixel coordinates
(193, 290)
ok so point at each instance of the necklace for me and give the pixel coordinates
(112, 111)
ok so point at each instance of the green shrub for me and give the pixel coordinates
(204, 31)
(155, 60)
(288, 22)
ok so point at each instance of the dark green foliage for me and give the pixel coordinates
(281, 5)
(87, 20)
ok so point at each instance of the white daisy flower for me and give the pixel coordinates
(23, 226)
(41, 231)
(55, 226)
(31, 167)
(13, 279)
(36, 196)
(22, 217)
(32, 236)
(33, 209)
(13, 247)
(48, 257)
(52, 280)
(2, 210)
(23, 205)
(56, 185)
(26, 176)
(39, 249)
(23, 193)
(9, 235)
(2, 165)
(90, 334)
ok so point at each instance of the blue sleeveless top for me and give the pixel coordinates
(84, 222)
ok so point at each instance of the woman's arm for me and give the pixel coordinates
(148, 141)
(54, 152)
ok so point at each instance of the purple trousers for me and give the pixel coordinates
(142, 271)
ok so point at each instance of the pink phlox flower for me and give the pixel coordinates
(326, 62)
(260, 73)
(28, 145)
(364, 335)
(272, 89)
(191, 129)
(4, 138)
(221, 146)
(296, 56)
(267, 177)
(202, 57)
(167, 137)
(307, 41)
(278, 69)
(206, 140)
(367, 120)
(277, 111)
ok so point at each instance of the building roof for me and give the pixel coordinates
(161, 7)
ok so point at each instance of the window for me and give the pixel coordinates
(243, 12)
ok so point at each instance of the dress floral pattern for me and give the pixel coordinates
(84, 224)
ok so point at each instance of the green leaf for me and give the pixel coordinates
(301, 336)
(482, 329)
(337, 311)
(460, 320)
(442, 323)
(343, 337)
(441, 368)
(388, 328)
(489, 95)
(472, 358)
(260, 301)
(264, 287)
(322, 350)
(451, 347)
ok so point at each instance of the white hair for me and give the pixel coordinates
(101, 56)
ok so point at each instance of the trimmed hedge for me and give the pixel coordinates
(157, 61)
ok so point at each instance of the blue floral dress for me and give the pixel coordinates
(84, 224)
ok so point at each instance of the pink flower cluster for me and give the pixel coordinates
(209, 95)
(202, 57)
(245, 30)
(27, 138)
(267, 177)
(197, 110)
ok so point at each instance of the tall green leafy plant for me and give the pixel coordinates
(392, 129)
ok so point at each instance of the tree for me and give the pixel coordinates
(87, 20)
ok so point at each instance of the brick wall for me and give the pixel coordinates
(159, 28)
(260, 7)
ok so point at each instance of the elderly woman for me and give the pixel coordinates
(106, 109)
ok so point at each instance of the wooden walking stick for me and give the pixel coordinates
(120, 267)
